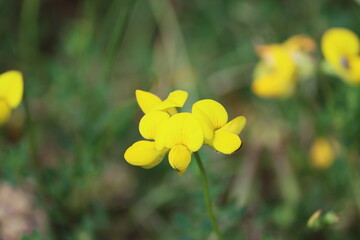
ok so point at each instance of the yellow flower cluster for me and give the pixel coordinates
(181, 134)
(282, 65)
(11, 92)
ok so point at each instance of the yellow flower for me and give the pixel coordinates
(11, 92)
(181, 134)
(145, 153)
(149, 102)
(218, 132)
(276, 75)
(341, 50)
(321, 153)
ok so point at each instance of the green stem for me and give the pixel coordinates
(207, 197)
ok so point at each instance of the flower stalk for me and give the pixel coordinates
(207, 197)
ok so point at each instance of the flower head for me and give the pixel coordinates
(149, 102)
(341, 50)
(277, 73)
(11, 92)
(181, 134)
(218, 132)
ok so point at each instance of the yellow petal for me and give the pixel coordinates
(211, 115)
(235, 126)
(4, 111)
(150, 123)
(178, 97)
(168, 106)
(184, 129)
(144, 154)
(160, 136)
(11, 87)
(226, 142)
(272, 85)
(179, 158)
(175, 99)
(337, 43)
(147, 101)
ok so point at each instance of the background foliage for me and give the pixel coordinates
(82, 61)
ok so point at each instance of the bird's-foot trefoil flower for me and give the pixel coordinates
(146, 153)
(183, 136)
(218, 132)
(341, 49)
(11, 93)
(275, 75)
(149, 102)
(281, 65)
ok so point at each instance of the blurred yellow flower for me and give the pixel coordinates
(341, 50)
(322, 153)
(149, 102)
(218, 132)
(11, 92)
(276, 75)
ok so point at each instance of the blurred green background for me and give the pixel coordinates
(62, 168)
